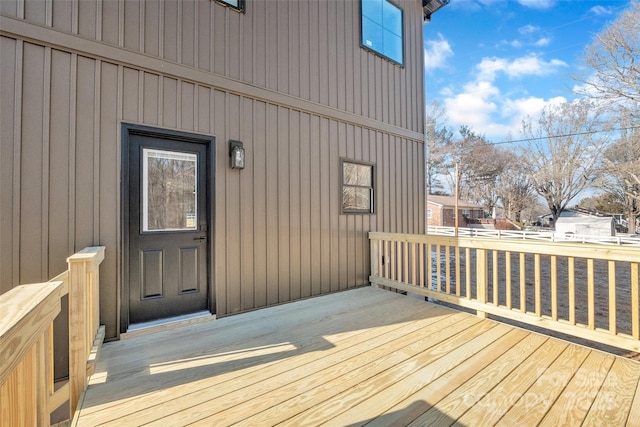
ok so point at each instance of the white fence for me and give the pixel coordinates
(548, 236)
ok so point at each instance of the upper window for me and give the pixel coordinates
(382, 24)
(236, 4)
(357, 187)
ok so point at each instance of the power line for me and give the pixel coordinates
(513, 141)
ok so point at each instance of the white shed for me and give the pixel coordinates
(583, 225)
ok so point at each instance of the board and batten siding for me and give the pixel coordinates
(278, 234)
(308, 49)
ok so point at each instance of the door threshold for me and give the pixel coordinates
(167, 324)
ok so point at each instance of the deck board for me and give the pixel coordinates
(365, 356)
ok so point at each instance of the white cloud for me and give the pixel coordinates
(528, 29)
(489, 3)
(490, 113)
(469, 109)
(530, 65)
(515, 43)
(489, 67)
(515, 110)
(538, 4)
(601, 11)
(436, 53)
(481, 105)
(544, 41)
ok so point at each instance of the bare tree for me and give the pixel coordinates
(514, 187)
(620, 174)
(560, 154)
(479, 165)
(612, 74)
(612, 68)
(437, 138)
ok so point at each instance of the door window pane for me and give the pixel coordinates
(169, 190)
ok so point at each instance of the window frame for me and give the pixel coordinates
(402, 38)
(371, 210)
(240, 8)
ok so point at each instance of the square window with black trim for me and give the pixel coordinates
(236, 4)
(357, 187)
(382, 29)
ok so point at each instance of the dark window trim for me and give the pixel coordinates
(381, 55)
(371, 210)
(240, 8)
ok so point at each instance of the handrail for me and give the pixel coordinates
(586, 290)
(547, 236)
(26, 341)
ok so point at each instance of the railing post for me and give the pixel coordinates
(482, 279)
(83, 317)
(375, 254)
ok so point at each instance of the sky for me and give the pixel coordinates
(491, 63)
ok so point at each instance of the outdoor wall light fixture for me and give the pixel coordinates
(236, 153)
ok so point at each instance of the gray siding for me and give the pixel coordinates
(308, 49)
(300, 98)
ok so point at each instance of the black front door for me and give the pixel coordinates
(168, 227)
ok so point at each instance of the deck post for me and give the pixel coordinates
(482, 279)
(83, 316)
(374, 256)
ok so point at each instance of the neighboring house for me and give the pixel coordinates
(581, 221)
(119, 120)
(441, 211)
(586, 225)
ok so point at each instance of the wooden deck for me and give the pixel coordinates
(365, 356)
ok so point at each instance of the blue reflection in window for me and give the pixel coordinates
(236, 4)
(382, 29)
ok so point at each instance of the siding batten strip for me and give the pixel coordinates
(96, 151)
(120, 25)
(74, 16)
(17, 152)
(73, 107)
(99, 19)
(160, 33)
(46, 133)
(160, 110)
(141, 96)
(48, 13)
(141, 16)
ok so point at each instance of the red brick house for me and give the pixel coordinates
(441, 209)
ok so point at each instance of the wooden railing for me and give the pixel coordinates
(585, 290)
(27, 396)
(542, 235)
